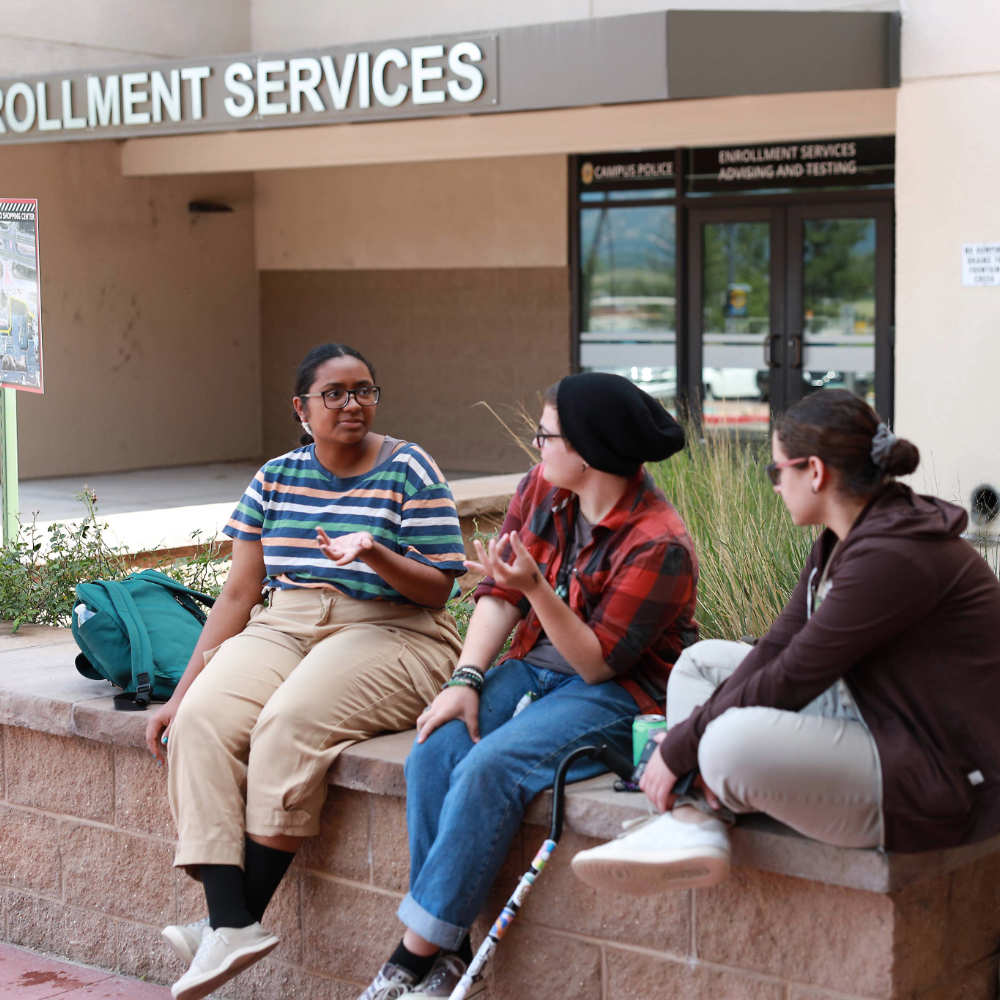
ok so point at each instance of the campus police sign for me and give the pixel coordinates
(347, 83)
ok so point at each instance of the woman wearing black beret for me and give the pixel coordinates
(595, 569)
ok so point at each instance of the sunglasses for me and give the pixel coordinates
(774, 469)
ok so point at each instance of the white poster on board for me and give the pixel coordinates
(20, 296)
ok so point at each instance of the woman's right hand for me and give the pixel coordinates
(158, 728)
(458, 702)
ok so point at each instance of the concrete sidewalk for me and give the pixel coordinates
(28, 976)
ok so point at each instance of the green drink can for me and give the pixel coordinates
(643, 726)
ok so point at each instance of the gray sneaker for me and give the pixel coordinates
(392, 982)
(444, 976)
(185, 938)
(222, 954)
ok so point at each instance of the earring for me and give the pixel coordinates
(307, 428)
(585, 467)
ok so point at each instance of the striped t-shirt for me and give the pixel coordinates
(404, 502)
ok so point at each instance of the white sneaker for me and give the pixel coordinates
(664, 853)
(392, 982)
(445, 975)
(185, 938)
(222, 954)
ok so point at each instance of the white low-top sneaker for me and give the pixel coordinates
(664, 853)
(222, 954)
(185, 938)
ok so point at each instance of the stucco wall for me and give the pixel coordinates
(291, 23)
(149, 315)
(441, 340)
(948, 336)
(42, 36)
(508, 212)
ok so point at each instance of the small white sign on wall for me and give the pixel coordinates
(981, 263)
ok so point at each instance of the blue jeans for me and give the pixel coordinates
(465, 800)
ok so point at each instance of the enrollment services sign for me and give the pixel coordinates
(20, 297)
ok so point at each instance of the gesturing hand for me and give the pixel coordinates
(521, 573)
(346, 548)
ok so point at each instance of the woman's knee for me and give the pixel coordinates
(438, 755)
(197, 722)
(727, 743)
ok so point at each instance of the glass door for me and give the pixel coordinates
(786, 301)
(840, 301)
(736, 315)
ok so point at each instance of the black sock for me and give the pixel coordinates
(419, 965)
(265, 867)
(464, 951)
(226, 895)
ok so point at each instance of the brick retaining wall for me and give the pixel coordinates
(85, 873)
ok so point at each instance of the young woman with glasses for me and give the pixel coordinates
(597, 572)
(866, 717)
(354, 538)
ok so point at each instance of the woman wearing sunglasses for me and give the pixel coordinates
(355, 538)
(866, 717)
(598, 574)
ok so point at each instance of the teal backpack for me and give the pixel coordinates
(138, 634)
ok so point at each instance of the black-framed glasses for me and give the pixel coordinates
(538, 441)
(774, 469)
(336, 399)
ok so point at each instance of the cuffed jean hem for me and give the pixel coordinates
(209, 852)
(429, 927)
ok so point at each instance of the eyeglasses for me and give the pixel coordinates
(336, 399)
(774, 469)
(538, 441)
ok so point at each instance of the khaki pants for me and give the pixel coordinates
(817, 774)
(257, 731)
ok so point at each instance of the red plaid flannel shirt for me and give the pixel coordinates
(634, 584)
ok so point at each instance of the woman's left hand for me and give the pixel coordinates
(658, 780)
(521, 573)
(346, 548)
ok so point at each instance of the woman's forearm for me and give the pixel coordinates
(491, 623)
(415, 580)
(572, 637)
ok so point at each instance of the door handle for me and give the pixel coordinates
(769, 350)
(796, 343)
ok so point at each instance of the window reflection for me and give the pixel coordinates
(628, 321)
(838, 305)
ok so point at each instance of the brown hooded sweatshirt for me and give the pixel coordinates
(912, 624)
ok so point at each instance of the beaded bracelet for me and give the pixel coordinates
(463, 682)
(469, 672)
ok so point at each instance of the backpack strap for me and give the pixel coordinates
(164, 581)
(143, 668)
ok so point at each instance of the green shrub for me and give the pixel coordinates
(39, 572)
(750, 554)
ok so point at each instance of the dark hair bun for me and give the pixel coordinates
(903, 458)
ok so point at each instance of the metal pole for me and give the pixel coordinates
(8, 465)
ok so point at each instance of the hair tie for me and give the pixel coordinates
(882, 445)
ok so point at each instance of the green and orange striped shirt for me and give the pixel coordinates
(404, 502)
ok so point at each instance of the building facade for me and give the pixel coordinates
(731, 206)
